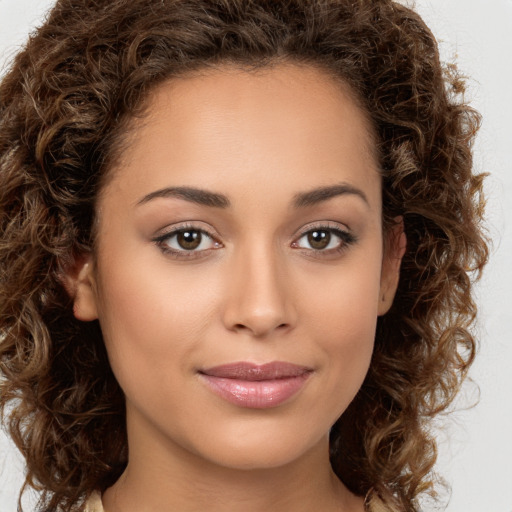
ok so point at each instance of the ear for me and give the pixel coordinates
(79, 282)
(394, 250)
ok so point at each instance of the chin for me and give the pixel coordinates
(264, 450)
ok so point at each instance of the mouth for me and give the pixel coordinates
(256, 386)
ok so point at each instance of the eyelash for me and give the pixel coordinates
(346, 239)
(161, 240)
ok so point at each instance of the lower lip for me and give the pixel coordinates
(263, 394)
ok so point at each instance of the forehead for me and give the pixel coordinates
(223, 124)
(311, 94)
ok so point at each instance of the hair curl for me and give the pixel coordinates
(64, 106)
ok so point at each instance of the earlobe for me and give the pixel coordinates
(79, 282)
(392, 259)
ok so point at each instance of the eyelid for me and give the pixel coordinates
(322, 224)
(174, 229)
(340, 230)
(347, 238)
(196, 225)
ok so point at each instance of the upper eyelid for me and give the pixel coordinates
(326, 224)
(194, 226)
(183, 254)
(325, 228)
(208, 230)
(343, 234)
(346, 236)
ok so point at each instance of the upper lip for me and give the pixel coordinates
(254, 372)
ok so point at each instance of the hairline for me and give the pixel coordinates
(130, 124)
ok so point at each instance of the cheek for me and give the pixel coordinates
(346, 331)
(342, 315)
(149, 318)
(346, 300)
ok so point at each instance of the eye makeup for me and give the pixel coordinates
(187, 241)
(190, 241)
(324, 240)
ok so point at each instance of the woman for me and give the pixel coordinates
(237, 242)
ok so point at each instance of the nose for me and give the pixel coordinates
(260, 299)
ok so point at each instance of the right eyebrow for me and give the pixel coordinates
(192, 194)
(319, 195)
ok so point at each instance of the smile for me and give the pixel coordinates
(256, 386)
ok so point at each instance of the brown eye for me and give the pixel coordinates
(324, 240)
(189, 240)
(319, 239)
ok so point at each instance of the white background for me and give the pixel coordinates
(476, 443)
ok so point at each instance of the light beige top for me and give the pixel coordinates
(94, 503)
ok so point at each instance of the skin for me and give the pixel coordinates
(256, 290)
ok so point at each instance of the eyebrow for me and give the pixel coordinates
(216, 200)
(318, 195)
(194, 195)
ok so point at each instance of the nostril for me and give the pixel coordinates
(260, 330)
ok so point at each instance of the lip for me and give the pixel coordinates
(256, 386)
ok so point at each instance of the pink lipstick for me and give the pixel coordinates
(256, 386)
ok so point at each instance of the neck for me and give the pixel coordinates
(164, 477)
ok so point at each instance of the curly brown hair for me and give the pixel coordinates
(64, 107)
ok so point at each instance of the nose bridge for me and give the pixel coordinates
(259, 300)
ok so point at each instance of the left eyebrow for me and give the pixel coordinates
(194, 195)
(321, 194)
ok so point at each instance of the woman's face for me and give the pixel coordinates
(239, 270)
